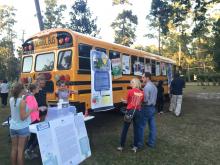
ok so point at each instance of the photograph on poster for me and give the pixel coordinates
(138, 68)
(116, 68)
(126, 64)
(147, 67)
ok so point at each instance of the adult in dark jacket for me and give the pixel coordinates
(176, 91)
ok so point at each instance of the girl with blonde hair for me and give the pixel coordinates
(133, 100)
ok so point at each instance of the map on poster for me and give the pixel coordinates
(63, 141)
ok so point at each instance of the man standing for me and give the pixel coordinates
(148, 111)
(176, 91)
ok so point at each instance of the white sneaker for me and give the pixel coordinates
(120, 149)
(134, 149)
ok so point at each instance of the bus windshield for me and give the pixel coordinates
(27, 64)
(44, 62)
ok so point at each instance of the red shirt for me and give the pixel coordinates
(134, 99)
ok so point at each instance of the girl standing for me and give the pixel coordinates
(20, 120)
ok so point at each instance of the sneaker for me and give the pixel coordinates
(120, 149)
(27, 154)
(34, 155)
(134, 149)
(30, 154)
(150, 145)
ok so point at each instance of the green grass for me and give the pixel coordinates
(192, 139)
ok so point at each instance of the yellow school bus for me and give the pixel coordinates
(62, 54)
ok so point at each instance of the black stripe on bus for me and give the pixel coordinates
(88, 91)
(84, 72)
(84, 91)
(79, 83)
(121, 82)
(89, 82)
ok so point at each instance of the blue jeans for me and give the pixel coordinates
(147, 115)
(136, 127)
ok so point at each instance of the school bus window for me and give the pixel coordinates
(147, 61)
(27, 64)
(114, 54)
(141, 59)
(64, 60)
(101, 49)
(153, 66)
(133, 60)
(84, 56)
(44, 62)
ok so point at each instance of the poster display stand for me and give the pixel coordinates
(63, 138)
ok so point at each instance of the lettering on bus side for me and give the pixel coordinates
(45, 42)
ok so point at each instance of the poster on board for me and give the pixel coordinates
(147, 67)
(157, 69)
(163, 69)
(101, 81)
(116, 68)
(138, 68)
(169, 74)
(63, 141)
(126, 64)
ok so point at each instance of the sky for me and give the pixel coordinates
(103, 9)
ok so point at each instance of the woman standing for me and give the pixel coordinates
(4, 92)
(20, 120)
(134, 99)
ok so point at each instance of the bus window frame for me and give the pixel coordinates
(88, 58)
(70, 60)
(31, 63)
(36, 62)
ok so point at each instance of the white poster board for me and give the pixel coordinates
(116, 68)
(157, 69)
(126, 64)
(169, 73)
(138, 68)
(163, 69)
(101, 81)
(63, 141)
(147, 67)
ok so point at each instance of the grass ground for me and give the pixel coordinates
(192, 139)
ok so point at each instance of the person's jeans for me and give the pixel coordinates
(136, 127)
(147, 116)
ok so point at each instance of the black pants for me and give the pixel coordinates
(32, 142)
(4, 98)
(160, 103)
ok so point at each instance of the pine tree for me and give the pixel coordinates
(53, 16)
(125, 25)
(81, 19)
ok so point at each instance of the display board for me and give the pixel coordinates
(63, 141)
(101, 81)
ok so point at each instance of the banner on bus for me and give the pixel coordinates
(101, 81)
